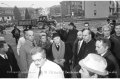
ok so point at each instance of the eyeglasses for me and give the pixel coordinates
(38, 60)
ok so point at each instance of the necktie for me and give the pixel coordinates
(57, 46)
(39, 72)
(79, 46)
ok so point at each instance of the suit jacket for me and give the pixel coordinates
(25, 56)
(9, 67)
(13, 62)
(113, 67)
(115, 47)
(88, 48)
(77, 56)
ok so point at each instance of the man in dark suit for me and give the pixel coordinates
(8, 63)
(102, 47)
(77, 47)
(88, 46)
(60, 53)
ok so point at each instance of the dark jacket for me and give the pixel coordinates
(9, 67)
(77, 56)
(115, 47)
(113, 67)
(88, 48)
(16, 33)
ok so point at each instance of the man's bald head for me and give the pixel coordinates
(87, 35)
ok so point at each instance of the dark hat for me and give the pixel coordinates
(55, 35)
(71, 23)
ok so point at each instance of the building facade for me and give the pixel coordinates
(71, 8)
(98, 9)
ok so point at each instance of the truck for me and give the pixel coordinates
(41, 22)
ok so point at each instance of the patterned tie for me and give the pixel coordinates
(39, 72)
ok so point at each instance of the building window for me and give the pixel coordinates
(95, 12)
(110, 2)
(94, 3)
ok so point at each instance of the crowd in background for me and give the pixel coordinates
(64, 52)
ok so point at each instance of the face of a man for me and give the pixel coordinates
(117, 30)
(84, 73)
(56, 40)
(86, 36)
(5, 48)
(80, 35)
(43, 38)
(106, 32)
(30, 35)
(38, 59)
(100, 48)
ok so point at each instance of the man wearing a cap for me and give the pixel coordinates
(103, 48)
(60, 53)
(93, 66)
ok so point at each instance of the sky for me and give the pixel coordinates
(29, 3)
(34, 3)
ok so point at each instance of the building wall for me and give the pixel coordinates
(98, 9)
(71, 8)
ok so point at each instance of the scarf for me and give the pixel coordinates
(58, 54)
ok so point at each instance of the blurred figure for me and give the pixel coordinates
(21, 41)
(8, 64)
(102, 47)
(42, 68)
(16, 34)
(44, 42)
(71, 34)
(24, 53)
(93, 66)
(61, 53)
(86, 25)
(117, 32)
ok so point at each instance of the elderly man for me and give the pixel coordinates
(60, 53)
(102, 47)
(25, 56)
(43, 68)
(93, 66)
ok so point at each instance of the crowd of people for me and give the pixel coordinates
(63, 53)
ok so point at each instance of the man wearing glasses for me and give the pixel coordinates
(42, 68)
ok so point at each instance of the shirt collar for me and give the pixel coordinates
(3, 56)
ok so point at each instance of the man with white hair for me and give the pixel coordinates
(25, 56)
(93, 66)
